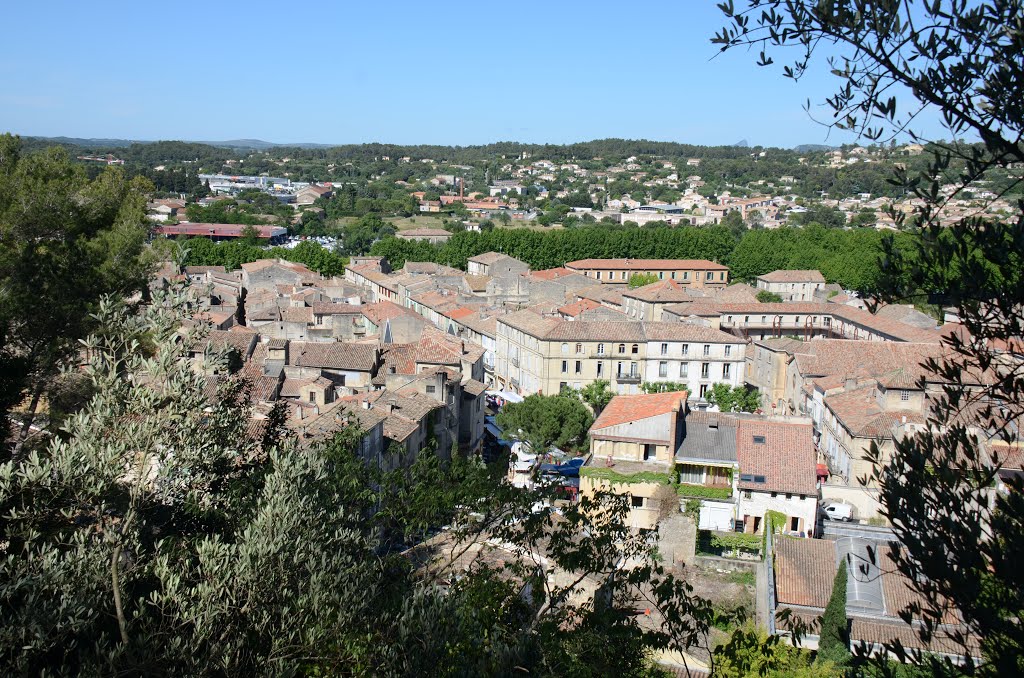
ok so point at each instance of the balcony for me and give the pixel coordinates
(628, 378)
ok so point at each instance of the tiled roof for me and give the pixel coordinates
(804, 571)
(550, 273)
(626, 408)
(474, 387)
(858, 411)
(223, 339)
(786, 458)
(333, 355)
(646, 264)
(297, 314)
(784, 276)
(661, 292)
(380, 311)
(861, 358)
(335, 309)
(576, 308)
(400, 357)
(553, 329)
(488, 258)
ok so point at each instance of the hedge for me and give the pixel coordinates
(703, 491)
(626, 478)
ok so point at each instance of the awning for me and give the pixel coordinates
(507, 396)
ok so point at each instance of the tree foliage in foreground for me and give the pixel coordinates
(161, 533)
(960, 536)
(65, 241)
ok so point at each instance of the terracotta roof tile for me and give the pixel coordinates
(626, 408)
(804, 571)
(785, 456)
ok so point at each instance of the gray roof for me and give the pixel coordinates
(705, 442)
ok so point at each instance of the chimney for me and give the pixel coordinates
(366, 404)
(392, 405)
(851, 382)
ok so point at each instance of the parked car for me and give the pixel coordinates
(838, 510)
(570, 469)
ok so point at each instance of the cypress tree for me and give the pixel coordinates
(834, 638)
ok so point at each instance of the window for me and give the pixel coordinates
(798, 320)
(746, 495)
(686, 349)
(688, 473)
(904, 396)
(707, 349)
(684, 369)
(686, 275)
(431, 389)
(622, 348)
(703, 390)
(774, 494)
(565, 366)
(600, 368)
(562, 385)
(728, 351)
(579, 367)
(710, 276)
(673, 275)
(661, 275)
(635, 349)
(312, 397)
(721, 276)
(579, 349)
(565, 348)
(759, 440)
(705, 370)
(618, 369)
(663, 369)
(599, 275)
(664, 349)
(789, 496)
(600, 349)
(764, 319)
(726, 370)
(637, 502)
(746, 318)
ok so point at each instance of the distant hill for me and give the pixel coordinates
(811, 148)
(259, 144)
(246, 144)
(742, 143)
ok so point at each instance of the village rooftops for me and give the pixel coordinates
(786, 276)
(552, 329)
(333, 355)
(646, 264)
(219, 230)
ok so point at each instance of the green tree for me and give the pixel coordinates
(751, 653)
(834, 635)
(65, 241)
(641, 279)
(734, 398)
(250, 236)
(597, 395)
(545, 420)
(766, 297)
(959, 62)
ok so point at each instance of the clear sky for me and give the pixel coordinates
(400, 72)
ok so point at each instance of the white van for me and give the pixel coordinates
(838, 511)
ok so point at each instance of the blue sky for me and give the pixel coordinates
(400, 72)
